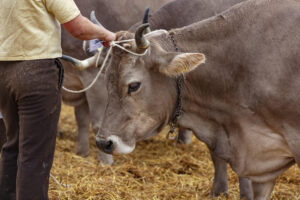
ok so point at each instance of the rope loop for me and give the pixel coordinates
(111, 45)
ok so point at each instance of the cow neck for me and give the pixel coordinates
(178, 106)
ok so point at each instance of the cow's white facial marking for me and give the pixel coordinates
(120, 146)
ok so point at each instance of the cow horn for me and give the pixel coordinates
(146, 20)
(141, 42)
(94, 19)
(81, 64)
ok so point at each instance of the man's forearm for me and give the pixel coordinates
(84, 29)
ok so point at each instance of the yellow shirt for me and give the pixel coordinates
(29, 29)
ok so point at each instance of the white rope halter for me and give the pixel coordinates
(112, 44)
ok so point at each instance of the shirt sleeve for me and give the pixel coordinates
(63, 10)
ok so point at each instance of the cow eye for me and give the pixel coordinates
(132, 87)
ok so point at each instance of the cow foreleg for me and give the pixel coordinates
(83, 123)
(184, 136)
(262, 191)
(220, 185)
(245, 189)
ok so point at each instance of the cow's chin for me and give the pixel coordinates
(121, 147)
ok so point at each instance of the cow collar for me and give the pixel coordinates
(178, 106)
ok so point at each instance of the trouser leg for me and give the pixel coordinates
(2, 134)
(39, 113)
(37, 144)
(38, 102)
(9, 154)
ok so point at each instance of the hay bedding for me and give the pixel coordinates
(157, 169)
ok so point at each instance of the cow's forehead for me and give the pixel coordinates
(124, 35)
(124, 65)
(111, 73)
(121, 68)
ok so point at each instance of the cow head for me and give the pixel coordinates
(142, 90)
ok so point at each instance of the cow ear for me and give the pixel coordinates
(178, 64)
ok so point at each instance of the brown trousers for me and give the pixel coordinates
(2, 134)
(30, 102)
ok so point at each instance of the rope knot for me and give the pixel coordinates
(112, 44)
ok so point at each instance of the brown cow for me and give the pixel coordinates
(197, 10)
(243, 102)
(115, 15)
(90, 104)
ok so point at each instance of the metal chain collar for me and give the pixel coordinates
(178, 106)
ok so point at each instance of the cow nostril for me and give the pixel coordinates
(109, 146)
(105, 145)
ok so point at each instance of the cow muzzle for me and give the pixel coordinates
(114, 145)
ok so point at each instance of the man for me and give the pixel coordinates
(2, 132)
(30, 82)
